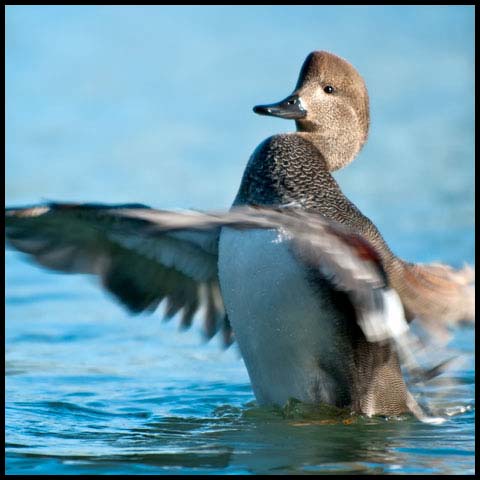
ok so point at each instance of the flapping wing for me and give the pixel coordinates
(139, 269)
(144, 256)
(346, 259)
(436, 295)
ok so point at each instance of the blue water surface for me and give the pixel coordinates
(153, 105)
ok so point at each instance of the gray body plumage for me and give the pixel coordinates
(298, 334)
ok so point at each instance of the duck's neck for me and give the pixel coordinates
(339, 150)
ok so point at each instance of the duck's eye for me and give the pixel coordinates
(328, 89)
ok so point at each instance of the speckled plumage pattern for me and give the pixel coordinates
(288, 168)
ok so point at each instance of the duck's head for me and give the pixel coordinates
(330, 107)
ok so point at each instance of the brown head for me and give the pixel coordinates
(330, 107)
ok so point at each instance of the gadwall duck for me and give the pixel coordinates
(294, 273)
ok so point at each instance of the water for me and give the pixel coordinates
(153, 105)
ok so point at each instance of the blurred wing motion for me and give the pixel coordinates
(144, 256)
(437, 295)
